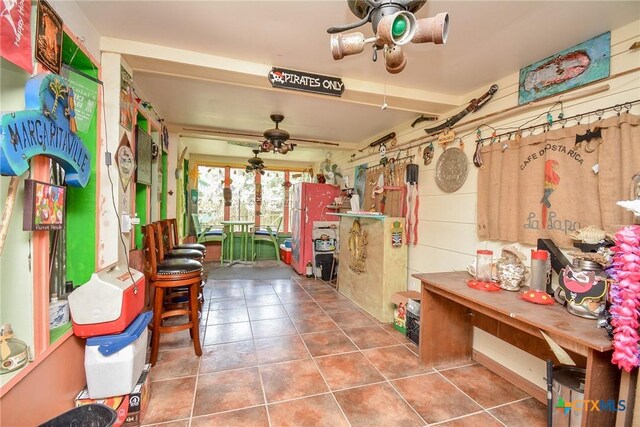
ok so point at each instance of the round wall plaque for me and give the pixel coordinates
(451, 170)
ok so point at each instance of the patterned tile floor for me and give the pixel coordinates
(296, 353)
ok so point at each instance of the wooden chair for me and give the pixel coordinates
(164, 276)
(209, 235)
(269, 235)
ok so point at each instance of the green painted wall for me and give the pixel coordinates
(165, 185)
(141, 192)
(81, 202)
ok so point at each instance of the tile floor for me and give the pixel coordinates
(297, 353)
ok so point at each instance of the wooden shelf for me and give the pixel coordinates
(377, 216)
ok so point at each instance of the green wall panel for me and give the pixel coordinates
(82, 202)
(165, 185)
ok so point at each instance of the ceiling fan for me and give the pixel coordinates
(256, 164)
(276, 139)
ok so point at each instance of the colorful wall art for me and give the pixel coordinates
(574, 67)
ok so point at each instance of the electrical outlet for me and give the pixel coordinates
(125, 226)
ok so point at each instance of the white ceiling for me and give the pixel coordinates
(487, 40)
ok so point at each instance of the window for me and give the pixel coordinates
(210, 199)
(243, 199)
(272, 208)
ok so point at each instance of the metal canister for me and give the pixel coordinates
(568, 387)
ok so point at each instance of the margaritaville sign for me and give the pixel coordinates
(47, 127)
(298, 80)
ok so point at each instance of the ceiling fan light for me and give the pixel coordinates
(396, 29)
(432, 30)
(395, 60)
(347, 44)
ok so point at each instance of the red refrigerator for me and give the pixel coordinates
(308, 204)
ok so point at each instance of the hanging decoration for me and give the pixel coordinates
(44, 129)
(427, 154)
(451, 170)
(227, 195)
(554, 186)
(15, 34)
(625, 298)
(48, 37)
(474, 105)
(360, 181)
(331, 171)
(126, 99)
(126, 162)
(258, 194)
(412, 203)
(385, 189)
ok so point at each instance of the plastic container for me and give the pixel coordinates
(113, 363)
(484, 261)
(107, 303)
(94, 415)
(285, 254)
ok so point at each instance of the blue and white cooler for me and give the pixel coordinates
(113, 363)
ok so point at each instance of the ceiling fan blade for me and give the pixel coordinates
(257, 136)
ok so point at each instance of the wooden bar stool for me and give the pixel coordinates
(164, 233)
(165, 276)
(177, 296)
(172, 225)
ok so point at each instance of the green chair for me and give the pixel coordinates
(210, 234)
(268, 235)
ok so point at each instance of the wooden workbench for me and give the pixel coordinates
(450, 309)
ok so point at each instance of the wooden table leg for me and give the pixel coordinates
(446, 332)
(602, 383)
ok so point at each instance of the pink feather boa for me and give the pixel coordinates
(625, 298)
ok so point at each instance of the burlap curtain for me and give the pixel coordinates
(546, 186)
(390, 202)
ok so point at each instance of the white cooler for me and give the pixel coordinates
(113, 363)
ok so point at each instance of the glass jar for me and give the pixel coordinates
(13, 351)
(589, 308)
(510, 270)
(484, 261)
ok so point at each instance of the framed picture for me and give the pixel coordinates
(583, 63)
(126, 99)
(49, 37)
(126, 162)
(44, 206)
(143, 156)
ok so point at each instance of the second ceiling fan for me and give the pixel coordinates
(276, 139)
